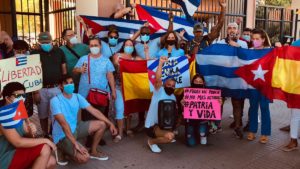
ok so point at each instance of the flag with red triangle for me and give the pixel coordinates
(12, 115)
(276, 75)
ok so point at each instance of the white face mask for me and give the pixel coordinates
(19, 99)
(95, 50)
(74, 40)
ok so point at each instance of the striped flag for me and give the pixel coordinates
(135, 86)
(189, 7)
(176, 67)
(159, 22)
(22, 60)
(99, 26)
(11, 115)
(218, 63)
(276, 75)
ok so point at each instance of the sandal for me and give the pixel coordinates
(129, 133)
(117, 139)
(263, 139)
(251, 136)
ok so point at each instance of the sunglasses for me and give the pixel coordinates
(19, 95)
(145, 33)
(113, 37)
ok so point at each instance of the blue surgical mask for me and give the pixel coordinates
(128, 49)
(247, 37)
(145, 38)
(112, 41)
(47, 47)
(95, 50)
(69, 88)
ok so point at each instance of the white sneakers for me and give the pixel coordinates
(154, 148)
(203, 140)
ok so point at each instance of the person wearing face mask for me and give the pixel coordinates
(21, 49)
(73, 50)
(196, 128)
(127, 52)
(202, 41)
(161, 91)
(237, 103)
(96, 71)
(67, 129)
(154, 44)
(246, 36)
(53, 62)
(171, 46)
(112, 45)
(18, 147)
(260, 40)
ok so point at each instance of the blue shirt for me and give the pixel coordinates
(69, 109)
(174, 53)
(296, 43)
(154, 47)
(99, 67)
(109, 51)
(152, 115)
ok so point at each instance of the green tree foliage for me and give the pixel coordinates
(278, 2)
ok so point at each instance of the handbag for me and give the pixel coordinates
(96, 96)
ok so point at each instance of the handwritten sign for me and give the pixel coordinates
(202, 104)
(176, 67)
(25, 69)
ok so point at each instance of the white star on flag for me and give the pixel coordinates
(259, 73)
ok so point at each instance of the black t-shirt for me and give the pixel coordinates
(51, 65)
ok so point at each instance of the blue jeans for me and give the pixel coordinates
(256, 100)
(193, 130)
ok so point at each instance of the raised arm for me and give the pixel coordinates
(158, 81)
(170, 27)
(215, 31)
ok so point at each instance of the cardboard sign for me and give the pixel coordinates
(26, 70)
(202, 104)
(176, 67)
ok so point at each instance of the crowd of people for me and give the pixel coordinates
(72, 72)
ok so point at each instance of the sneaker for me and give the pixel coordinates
(99, 156)
(154, 148)
(238, 133)
(285, 128)
(219, 130)
(60, 158)
(203, 140)
(293, 145)
(231, 116)
(173, 141)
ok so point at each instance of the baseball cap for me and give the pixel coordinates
(45, 37)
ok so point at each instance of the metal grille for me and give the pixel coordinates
(60, 14)
(207, 12)
(277, 21)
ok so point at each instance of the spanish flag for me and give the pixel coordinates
(135, 86)
(276, 75)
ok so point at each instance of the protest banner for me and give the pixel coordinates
(25, 69)
(176, 67)
(202, 104)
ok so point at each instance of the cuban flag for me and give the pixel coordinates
(12, 115)
(218, 63)
(159, 22)
(176, 67)
(22, 60)
(99, 26)
(189, 7)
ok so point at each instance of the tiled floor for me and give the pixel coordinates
(222, 152)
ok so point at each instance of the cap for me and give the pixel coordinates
(198, 27)
(233, 24)
(45, 37)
